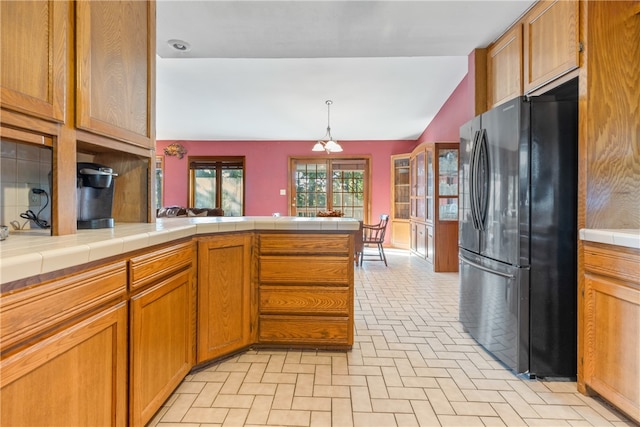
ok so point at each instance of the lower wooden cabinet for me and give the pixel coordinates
(161, 344)
(224, 295)
(108, 345)
(612, 319)
(75, 377)
(306, 290)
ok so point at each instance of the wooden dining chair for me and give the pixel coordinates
(373, 234)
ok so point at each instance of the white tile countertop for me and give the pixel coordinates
(31, 252)
(619, 237)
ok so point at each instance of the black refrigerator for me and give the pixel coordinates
(518, 234)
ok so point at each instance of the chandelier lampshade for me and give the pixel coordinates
(327, 143)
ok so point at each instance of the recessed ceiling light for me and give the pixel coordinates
(179, 45)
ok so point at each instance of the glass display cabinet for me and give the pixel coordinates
(400, 200)
(433, 221)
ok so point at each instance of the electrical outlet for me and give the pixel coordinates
(34, 199)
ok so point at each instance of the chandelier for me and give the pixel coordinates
(327, 143)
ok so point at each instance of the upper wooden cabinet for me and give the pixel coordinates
(504, 68)
(114, 73)
(33, 52)
(115, 66)
(536, 50)
(551, 46)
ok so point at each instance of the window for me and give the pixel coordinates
(159, 173)
(217, 182)
(330, 184)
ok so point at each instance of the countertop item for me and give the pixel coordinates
(628, 238)
(32, 252)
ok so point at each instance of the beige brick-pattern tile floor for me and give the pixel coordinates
(411, 365)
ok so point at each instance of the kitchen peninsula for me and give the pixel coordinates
(125, 313)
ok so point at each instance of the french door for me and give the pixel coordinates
(329, 184)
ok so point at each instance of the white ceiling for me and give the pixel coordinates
(262, 70)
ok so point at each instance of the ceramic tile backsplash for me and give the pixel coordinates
(23, 167)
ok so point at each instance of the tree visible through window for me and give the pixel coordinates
(217, 182)
(330, 184)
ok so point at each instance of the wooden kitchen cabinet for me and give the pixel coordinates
(78, 376)
(70, 330)
(400, 200)
(306, 290)
(504, 67)
(551, 41)
(225, 295)
(434, 204)
(115, 70)
(612, 318)
(162, 336)
(82, 74)
(33, 54)
(541, 47)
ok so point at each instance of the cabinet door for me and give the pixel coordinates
(400, 234)
(611, 318)
(612, 366)
(420, 186)
(115, 66)
(33, 50)
(75, 377)
(421, 240)
(550, 41)
(504, 68)
(161, 344)
(224, 295)
(429, 244)
(400, 187)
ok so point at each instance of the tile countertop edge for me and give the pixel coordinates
(628, 238)
(19, 261)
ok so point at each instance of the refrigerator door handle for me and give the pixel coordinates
(472, 181)
(488, 270)
(482, 182)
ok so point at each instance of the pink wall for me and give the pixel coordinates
(267, 164)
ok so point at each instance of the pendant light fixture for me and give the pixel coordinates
(327, 143)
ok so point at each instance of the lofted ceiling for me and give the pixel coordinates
(262, 70)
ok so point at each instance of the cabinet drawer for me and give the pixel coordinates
(326, 270)
(613, 262)
(304, 300)
(148, 268)
(303, 244)
(35, 310)
(305, 330)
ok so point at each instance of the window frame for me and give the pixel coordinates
(293, 160)
(159, 181)
(217, 162)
